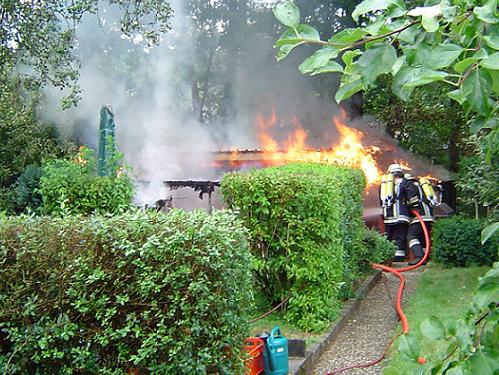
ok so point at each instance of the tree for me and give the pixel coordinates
(454, 42)
(38, 38)
(226, 35)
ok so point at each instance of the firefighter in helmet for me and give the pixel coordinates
(428, 200)
(397, 197)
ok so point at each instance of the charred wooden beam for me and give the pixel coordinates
(204, 187)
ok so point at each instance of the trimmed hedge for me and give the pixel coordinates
(67, 187)
(306, 227)
(164, 294)
(456, 243)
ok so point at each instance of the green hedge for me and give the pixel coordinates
(306, 226)
(456, 243)
(377, 249)
(67, 187)
(166, 294)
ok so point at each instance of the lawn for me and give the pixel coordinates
(445, 293)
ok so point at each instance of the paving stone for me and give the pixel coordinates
(368, 330)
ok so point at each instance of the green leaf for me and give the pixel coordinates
(347, 90)
(484, 362)
(462, 65)
(285, 50)
(295, 37)
(488, 289)
(318, 59)
(348, 36)
(409, 35)
(373, 5)
(483, 123)
(491, 62)
(331, 67)
(494, 75)
(456, 370)
(287, 13)
(350, 55)
(430, 23)
(431, 11)
(433, 328)
(477, 87)
(376, 61)
(492, 41)
(489, 231)
(398, 64)
(425, 76)
(408, 347)
(404, 75)
(487, 13)
(443, 55)
(298, 34)
(374, 27)
(457, 95)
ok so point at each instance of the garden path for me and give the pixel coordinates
(369, 330)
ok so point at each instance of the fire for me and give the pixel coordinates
(348, 151)
(404, 165)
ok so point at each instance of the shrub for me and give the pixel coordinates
(306, 229)
(70, 187)
(456, 242)
(164, 294)
(27, 195)
(378, 249)
(7, 200)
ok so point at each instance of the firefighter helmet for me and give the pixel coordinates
(396, 170)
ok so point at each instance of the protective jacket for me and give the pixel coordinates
(406, 197)
(424, 207)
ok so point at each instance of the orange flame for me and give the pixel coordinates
(349, 151)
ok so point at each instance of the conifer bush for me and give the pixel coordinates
(159, 294)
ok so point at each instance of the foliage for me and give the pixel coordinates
(488, 232)
(451, 42)
(146, 291)
(72, 187)
(470, 344)
(306, 229)
(26, 191)
(25, 140)
(478, 176)
(41, 38)
(377, 247)
(456, 242)
(6, 200)
(429, 115)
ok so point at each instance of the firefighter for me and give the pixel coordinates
(428, 200)
(398, 196)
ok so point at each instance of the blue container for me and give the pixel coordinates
(276, 353)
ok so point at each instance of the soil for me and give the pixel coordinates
(369, 330)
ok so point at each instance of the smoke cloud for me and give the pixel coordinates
(151, 91)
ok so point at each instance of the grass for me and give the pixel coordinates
(443, 292)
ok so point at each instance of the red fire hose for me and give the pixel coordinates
(397, 272)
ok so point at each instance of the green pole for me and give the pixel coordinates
(106, 140)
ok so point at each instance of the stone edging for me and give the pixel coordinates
(303, 366)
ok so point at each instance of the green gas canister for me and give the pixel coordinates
(276, 353)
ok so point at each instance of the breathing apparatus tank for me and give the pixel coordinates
(386, 190)
(428, 191)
